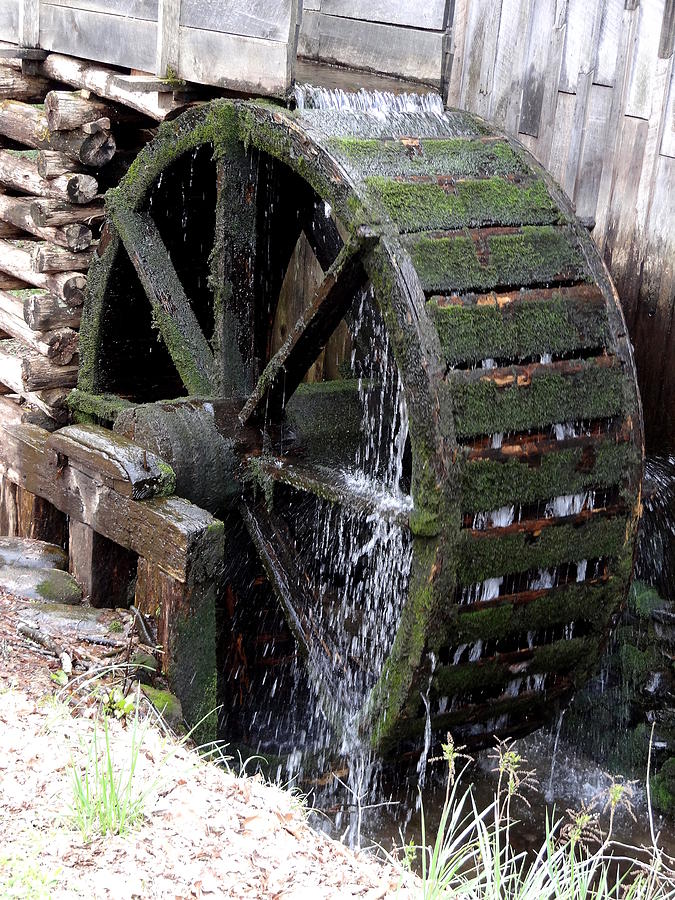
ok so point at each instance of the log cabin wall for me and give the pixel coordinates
(589, 87)
(247, 45)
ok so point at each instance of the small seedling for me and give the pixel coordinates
(115, 703)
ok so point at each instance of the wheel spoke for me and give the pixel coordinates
(291, 585)
(337, 487)
(232, 271)
(332, 300)
(175, 318)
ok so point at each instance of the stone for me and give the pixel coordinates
(29, 553)
(53, 585)
(167, 704)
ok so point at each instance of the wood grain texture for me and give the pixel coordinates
(9, 21)
(429, 14)
(266, 19)
(168, 33)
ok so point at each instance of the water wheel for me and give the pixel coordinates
(384, 350)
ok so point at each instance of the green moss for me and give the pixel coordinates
(484, 557)
(59, 587)
(481, 406)
(643, 599)
(520, 329)
(420, 206)
(533, 255)
(167, 704)
(458, 157)
(663, 788)
(102, 407)
(489, 484)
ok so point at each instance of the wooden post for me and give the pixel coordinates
(104, 570)
(168, 31)
(23, 514)
(29, 23)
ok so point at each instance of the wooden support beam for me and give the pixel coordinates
(103, 569)
(21, 174)
(16, 213)
(29, 23)
(24, 514)
(113, 460)
(184, 541)
(168, 32)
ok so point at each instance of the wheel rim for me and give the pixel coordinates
(239, 360)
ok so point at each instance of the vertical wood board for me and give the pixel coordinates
(29, 23)
(9, 21)
(643, 69)
(168, 34)
(541, 52)
(595, 151)
(668, 138)
(509, 63)
(611, 23)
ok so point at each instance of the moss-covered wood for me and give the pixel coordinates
(518, 398)
(530, 323)
(485, 260)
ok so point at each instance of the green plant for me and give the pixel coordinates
(24, 877)
(115, 703)
(106, 797)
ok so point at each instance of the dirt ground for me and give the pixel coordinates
(203, 831)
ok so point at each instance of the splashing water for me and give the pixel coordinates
(308, 96)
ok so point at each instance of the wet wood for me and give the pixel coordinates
(15, 259)
(9, 283)
(50, 213)
(59, 345)
(70, 109)
(531, 447)
(165, 601)
(24, 369)
(28, 125)
(16, 212)
(534, 527)
(21, 174)
(287, 367)
(103, 569)
(45, 312)
(183, 540)
(112, 459)
(26, 515)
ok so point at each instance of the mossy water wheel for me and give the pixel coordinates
(224, 329)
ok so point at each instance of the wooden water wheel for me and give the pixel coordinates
(224, 330)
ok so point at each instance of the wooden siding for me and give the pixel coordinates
(245, 45)
(406, 38)
(589, 87)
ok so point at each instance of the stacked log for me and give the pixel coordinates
(55, 145)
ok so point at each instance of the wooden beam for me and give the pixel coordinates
(59, 345)
(44, 312)
(16, 211)
(24, 369)
(22, 174)
(51, 213)
(183, 540)
(104, 570)
(29, 23)
(17, 261)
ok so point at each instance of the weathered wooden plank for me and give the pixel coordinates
(182, 539)
(562, 127)
(48, 213)
(60, 345)
(544, 45)
(390, 49)
(667, 147)
(47, 257)
(17, 86)
(667, 39)
(393, 12)
(98, 36)
(134, 9)
(9, 21)
(266, 19)
(16, 212)
(595, 152)
(643, 68)
(21, 174)
(16, 261)
(13, 411)
(574, 58)
(29, 23)
(113, 460)
(246, 63)
(608, 45)
(509, 63)
(168, 33)
(481, 47)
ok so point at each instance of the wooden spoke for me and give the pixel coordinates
(299, 603)
(232, 271)
(335, 486)
(322, 234)
(175, 318)
(285, 370)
